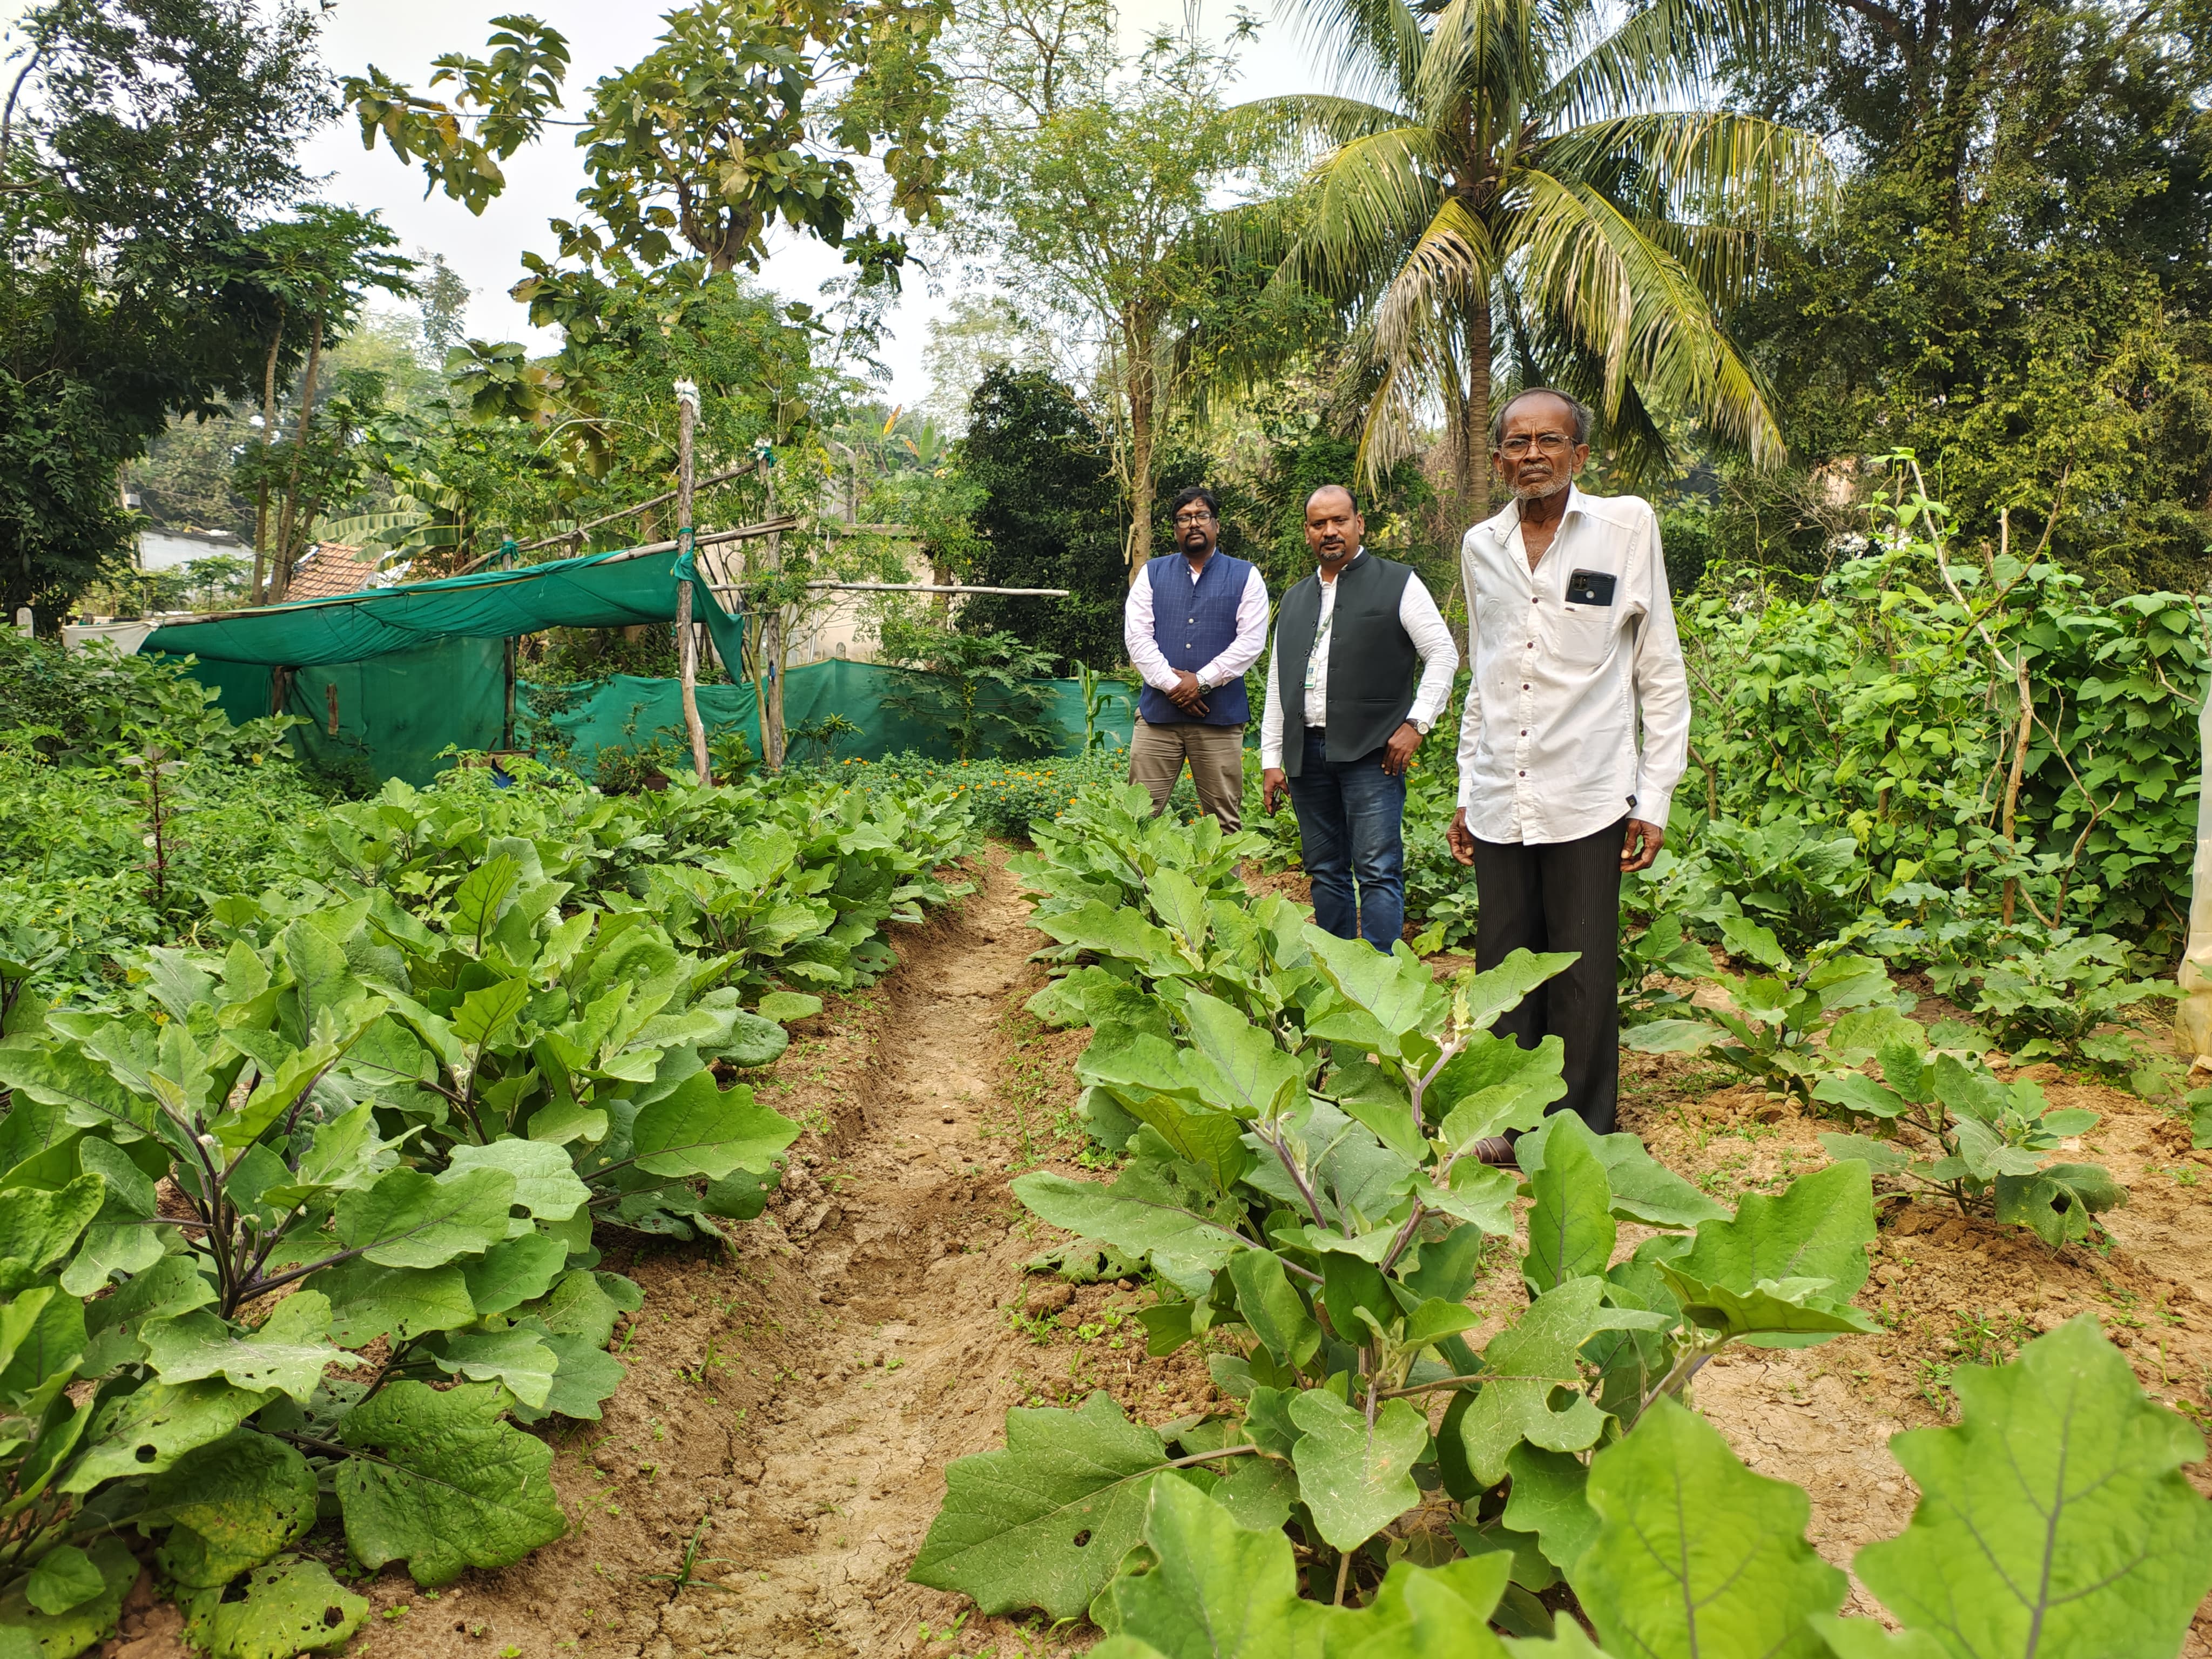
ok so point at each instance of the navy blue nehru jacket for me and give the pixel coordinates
(1193, 622)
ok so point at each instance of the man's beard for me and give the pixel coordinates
(1544, 492)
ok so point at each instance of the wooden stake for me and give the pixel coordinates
(687, 642)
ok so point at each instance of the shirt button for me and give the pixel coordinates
(1524, 731)
(1524, 686)
(1524, 775)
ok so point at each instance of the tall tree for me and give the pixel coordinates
(745, 112)
(2019, 286)
(1536, 191)
(140, 140)
(1082, 175)
(1044, 517)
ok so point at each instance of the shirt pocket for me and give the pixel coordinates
(1587, 633)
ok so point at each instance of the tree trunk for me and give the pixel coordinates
(1143, 387)
(261, 489)
(1474, 456)
(280, 575)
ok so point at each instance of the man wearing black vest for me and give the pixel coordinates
(1193, 625)
(1347, 643)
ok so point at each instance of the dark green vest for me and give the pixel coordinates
(1372, 664)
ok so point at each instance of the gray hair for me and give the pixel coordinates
(1578, 413)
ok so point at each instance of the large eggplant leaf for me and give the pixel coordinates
(409, 1220)
(1644, 1189)
(1694, 1553)
(1355, 1479)
(232, 1503)
(1045, 1521)
(1818, 1227)
(441, 1483)
(2055, 1518)
(1571, 1231)
(287, 1352)
(1532, 1357)
(1153, 1210)
(1217, 1591)
(698, 1130)
(146, 1431)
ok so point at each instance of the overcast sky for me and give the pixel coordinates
(402, 36)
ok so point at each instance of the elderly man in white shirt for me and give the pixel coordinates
(1572, 633)
(1347, 641)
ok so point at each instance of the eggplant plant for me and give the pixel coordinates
(379, 1133)
(1316, 1220)
(2053, 1521)
(1772, 1025)
(1953, 1126)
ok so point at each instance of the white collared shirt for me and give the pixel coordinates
(1423, 625)
(1547, 750)
(1144, 652)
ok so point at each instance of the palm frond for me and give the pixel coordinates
(1306, 125)
(1487, 57)
(1629, 301)
(1449, 268)
(1363, 207)
(1712, 166)
(1370, 48)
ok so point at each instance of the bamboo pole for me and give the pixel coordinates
(687, 640)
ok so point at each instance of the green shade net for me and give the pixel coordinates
(598, 590)
(576, 722)
(391, 678)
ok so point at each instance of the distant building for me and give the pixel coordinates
(171, 549)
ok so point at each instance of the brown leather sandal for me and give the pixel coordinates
(1497, 1150)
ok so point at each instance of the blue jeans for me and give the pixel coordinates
(1350, 814)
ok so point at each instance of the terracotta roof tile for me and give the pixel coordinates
(331, 569)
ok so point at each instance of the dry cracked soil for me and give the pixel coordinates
(760, 1484)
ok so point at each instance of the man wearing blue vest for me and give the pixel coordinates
(1193, 624)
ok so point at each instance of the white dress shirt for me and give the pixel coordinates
(1244, 651)
(1423, 625)
(1547, 750)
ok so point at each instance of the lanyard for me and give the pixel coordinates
(1320, 645)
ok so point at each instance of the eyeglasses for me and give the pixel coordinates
(1199, 517)
(1551, 443)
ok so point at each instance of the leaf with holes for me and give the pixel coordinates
(231, 1503)
(1045, 1521)
(288, 1606)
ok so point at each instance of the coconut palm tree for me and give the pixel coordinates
(1533, 191)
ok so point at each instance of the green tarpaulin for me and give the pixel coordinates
(391, 678)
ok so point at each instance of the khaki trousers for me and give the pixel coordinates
(1216, 754)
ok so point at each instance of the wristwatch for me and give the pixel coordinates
(1423, 726)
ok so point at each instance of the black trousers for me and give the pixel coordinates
(1562, 895)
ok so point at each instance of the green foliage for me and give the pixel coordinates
(135, 207)
(1047, 517)
(983, 691)
(1774, 1025)
(454, 1035)
(1993, 1140)
(1006, 798)
(1864, 713)
(1298, 1114)
(2057, 1002)
(2014, 284)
